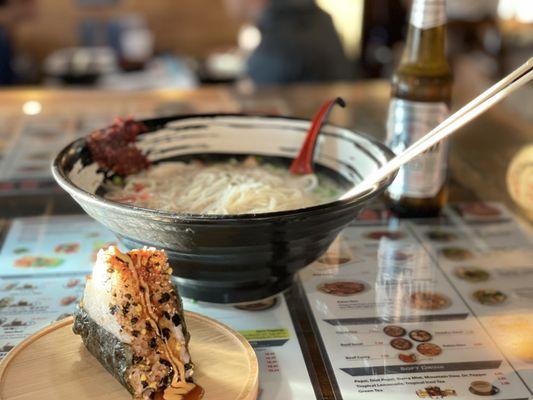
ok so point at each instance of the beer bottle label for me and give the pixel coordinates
(426, 14)
(408, 121)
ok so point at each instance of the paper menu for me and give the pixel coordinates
(58, 252)
(28, 304)
(34, 145)
(369, 366)
(33, 141)
(283, 372)
(52, 245)
(495, 280)
(378, 284)
(43, 265)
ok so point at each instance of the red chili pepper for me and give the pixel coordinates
(138, 187)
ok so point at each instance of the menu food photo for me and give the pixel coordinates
(45, 263)
(404, 309)
(426, 308)
(266, 200)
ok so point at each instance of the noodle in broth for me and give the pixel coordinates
(222, 188)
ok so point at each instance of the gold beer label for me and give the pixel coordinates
(426, 14)
(408, 121)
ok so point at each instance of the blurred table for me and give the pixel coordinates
(35, 124)
(479, 159)
(164, 71)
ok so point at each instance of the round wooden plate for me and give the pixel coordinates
(53, 364)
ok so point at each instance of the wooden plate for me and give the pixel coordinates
(53, 364)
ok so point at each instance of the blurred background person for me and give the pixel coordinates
(298, 42)
(135, 45)
(12, 13)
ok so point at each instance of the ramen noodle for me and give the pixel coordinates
(224, 188)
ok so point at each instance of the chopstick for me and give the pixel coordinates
(471, 110)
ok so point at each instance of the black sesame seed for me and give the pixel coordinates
(165, 362)
(165, 381)
(134, 320)
(168, 378)
(148, 327)
(166, 333)
(153, 343)
(176, 319)
(126, 308)
(187, 366)
(166, 315)
(113, 309)
(135, 333)
(144, 383)
(164, 298)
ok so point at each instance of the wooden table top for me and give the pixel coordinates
(479, 158)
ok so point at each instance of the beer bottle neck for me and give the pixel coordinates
(425, 46)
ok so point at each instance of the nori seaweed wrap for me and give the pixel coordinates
(131, 320)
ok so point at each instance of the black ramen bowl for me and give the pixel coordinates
(231, 258)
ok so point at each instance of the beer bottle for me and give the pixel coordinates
(421, 91)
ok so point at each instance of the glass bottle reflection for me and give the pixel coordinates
(403, 270)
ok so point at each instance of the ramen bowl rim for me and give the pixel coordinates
(75, 191)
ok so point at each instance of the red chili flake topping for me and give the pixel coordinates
(138, 187)
(114, 147)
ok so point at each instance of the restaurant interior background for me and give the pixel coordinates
(194, 42)
(366, 307)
